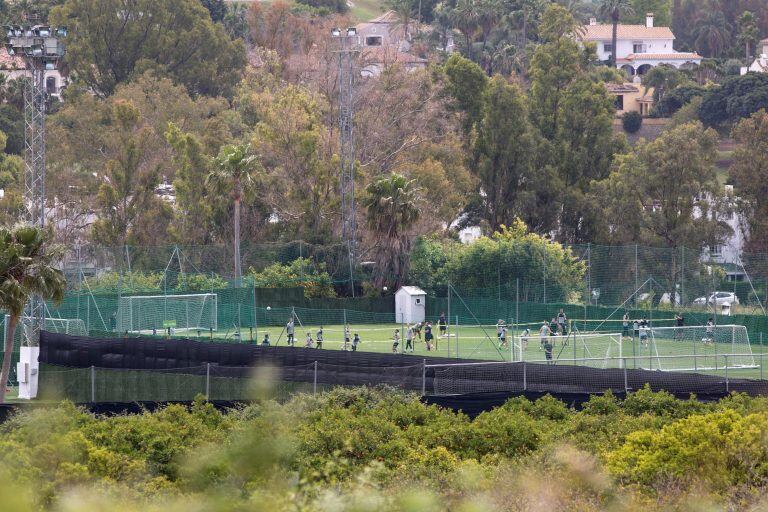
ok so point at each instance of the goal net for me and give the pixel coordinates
(157, 312)
(598, 350)
(71, 326)
(697, 348)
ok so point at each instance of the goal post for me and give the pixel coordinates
(697, 348)
(70, 326)
(598, 350)
(139, 313)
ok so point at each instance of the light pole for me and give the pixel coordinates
(348, 48)
(41, 50)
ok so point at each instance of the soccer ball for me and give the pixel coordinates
(268, 308)
(385, 288)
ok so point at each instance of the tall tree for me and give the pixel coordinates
(235, 166)
(670, 188)
(502, 153)
(749, 34)
(390, 210)
(128, 179)
(466, 82)
(26, 268)
(112, 41)
(749, 172)
(613, 10)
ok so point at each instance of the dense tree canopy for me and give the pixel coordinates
(112, 41)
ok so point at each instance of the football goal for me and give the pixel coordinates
(71, 326)
(144, 313)
(599, 350)
(697, 348)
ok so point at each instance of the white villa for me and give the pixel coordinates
(760, 65)
(638, 47)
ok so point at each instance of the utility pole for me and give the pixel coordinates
(348, 49)
(41, 50)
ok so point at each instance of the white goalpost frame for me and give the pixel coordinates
(608, 341)
(740, 355)
(126, 311)
(71, 326)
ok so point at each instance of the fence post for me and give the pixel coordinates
(93, 384)
(727, 390)
(207, 381)
(761, 365)
(423, 377)
(525, 376)
(314, 381)
(626, 381)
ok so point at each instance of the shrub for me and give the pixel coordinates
(632, 121)
(300, 272)
(719, 450)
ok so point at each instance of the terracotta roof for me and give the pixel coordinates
(621, 88)
(661, 56)
(10, 62)
(604, 32)
(764, 41)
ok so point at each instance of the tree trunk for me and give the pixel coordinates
(238, 271)
(13, 321)
(614, 41)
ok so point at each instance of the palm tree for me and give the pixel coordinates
(391, 209)
(613, 9)
(234, 166)
(404, 11)
(712, 34)
(465, 17)
(26, 269)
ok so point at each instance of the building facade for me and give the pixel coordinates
(12, 67)
(638, 47)
(760, 64)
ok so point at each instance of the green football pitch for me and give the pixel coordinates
(601, 350)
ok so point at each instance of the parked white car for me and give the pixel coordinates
(717, 298)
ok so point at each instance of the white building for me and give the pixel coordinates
(728, 254)
(638, 47)
(760, 65)
(410, 305)
(385, 42)
(13, 68)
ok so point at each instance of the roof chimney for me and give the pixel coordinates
(593, 21)
(649, 20)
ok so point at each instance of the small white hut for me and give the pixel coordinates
(410, 305)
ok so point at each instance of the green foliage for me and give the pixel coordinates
(466, 84)
(631, 121)
(111, 42)
(125, 282)
(512, 253)
(721, 449)
(380, 443)
(738, 97)
(327, 6)
(312, 276)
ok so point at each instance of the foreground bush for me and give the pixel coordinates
(381, 449)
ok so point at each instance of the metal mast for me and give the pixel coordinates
(41, 51)
(347, 50)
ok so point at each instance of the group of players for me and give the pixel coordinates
(412, 332)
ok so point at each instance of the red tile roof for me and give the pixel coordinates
(604, 32)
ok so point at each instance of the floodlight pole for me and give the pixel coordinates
(41, 50)
(348, 49)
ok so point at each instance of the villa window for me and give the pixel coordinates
(639, 48)
(608, 47)
(373, 41)
(716, 251)
(619, 102)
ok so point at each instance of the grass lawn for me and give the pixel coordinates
(475, 342)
